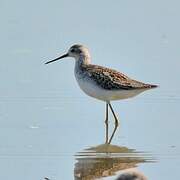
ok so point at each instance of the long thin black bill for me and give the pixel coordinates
(63, 56)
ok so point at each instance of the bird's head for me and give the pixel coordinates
(76, 51)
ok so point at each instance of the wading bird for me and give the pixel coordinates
(100, 82)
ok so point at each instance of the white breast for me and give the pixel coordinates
(89, 87)
(93, 90)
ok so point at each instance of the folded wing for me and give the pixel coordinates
(113, 80)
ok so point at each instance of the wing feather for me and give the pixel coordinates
(113, 80)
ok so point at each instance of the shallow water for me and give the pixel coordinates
(49, 128)
(63, 138)
(57, 136)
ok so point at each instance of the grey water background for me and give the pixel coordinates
(45, 119)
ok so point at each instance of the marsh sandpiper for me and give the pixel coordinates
(100, 82)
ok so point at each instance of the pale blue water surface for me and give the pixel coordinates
(47, 123)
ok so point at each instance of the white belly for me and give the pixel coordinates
(93, 90)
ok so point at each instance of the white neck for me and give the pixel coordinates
(83, 60)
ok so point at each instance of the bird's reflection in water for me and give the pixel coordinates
(107, 160)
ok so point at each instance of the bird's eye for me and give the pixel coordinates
(72, 50)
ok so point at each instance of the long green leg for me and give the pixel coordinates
(106, 122)
(116, 123)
